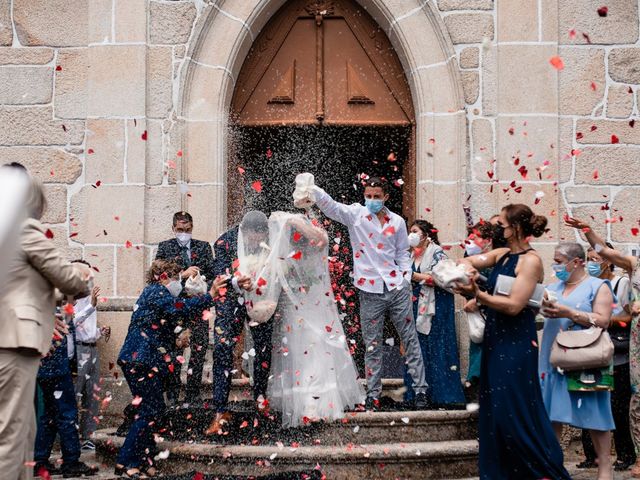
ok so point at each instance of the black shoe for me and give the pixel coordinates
(40, 467)
(124, 427)
(371, 404)
(622, 465)
(422, 402)
(77, 469)
(587, 464)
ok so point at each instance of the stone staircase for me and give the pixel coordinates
(364, 445)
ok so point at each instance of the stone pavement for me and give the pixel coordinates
(571, 459)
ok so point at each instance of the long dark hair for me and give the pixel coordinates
(427, 229)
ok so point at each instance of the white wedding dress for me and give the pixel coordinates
(312, 373)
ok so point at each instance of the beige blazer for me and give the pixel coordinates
(27, 301)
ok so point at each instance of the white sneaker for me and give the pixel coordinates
(88, 446)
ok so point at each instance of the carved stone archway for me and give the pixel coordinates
(327, 66)
(223, 38)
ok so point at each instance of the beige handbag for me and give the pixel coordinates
(582, 349)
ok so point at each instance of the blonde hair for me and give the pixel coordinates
(36, 202)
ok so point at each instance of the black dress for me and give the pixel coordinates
(516, 437)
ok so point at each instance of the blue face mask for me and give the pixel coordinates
(594, 269)
(561, 272)
(373, 205)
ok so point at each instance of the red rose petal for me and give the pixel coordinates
(257, 186)
(556, 62)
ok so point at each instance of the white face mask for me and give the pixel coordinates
(174, 287)
(183, 238)
(472, 249)
(414, 239)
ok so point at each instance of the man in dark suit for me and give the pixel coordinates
(193, 256)
(230, 319)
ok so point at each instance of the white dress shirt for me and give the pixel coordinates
(86, 321)
(380, 251)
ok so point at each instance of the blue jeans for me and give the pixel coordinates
(58, 417)
(229, 323)
(139, 444)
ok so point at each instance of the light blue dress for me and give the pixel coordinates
(589, 410)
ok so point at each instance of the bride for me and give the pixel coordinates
(313, 376)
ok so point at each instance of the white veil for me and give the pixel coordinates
(252, 258)
(313, 374)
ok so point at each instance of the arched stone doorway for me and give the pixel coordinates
(321, 90)
(223, 38)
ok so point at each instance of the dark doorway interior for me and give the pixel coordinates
(337, 156)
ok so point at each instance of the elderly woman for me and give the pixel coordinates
(144, 359)
(434, 313)
(27, 305)
(582, 301)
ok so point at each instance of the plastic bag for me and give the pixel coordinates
(261, 311)
(196, 285)
(303, 195)
(446, 273)
(476, 326)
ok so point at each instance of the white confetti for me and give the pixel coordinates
(405, 419)
(163, 455)
(356, 429)
(57, 394)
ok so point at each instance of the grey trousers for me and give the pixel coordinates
(88, 377)
(373, 307)
(18, 370)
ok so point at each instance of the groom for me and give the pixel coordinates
(382, 274)
(231, 315)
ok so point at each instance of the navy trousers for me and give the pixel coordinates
(147, 385)
(59, 416)
(229, 323)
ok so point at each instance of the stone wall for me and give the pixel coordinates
(115, 105)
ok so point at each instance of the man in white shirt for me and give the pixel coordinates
(382, 274)
(87, 333)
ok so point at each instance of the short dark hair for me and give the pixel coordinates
(182, 217)
(16, 165)
(377, 182)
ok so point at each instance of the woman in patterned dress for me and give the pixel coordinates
(631, 265)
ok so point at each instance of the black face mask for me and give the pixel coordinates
(497, 239)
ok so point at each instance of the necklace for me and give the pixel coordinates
(577, 281)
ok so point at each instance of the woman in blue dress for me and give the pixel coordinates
(581, 301)
(434, 313)
(517, 440)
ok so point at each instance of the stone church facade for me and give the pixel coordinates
(122, 108)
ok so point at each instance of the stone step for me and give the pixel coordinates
(407, 460)
(240, 391)
(188, 424)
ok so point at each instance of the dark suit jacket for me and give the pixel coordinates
(226, 255)
(201, 256)
(151, 331)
